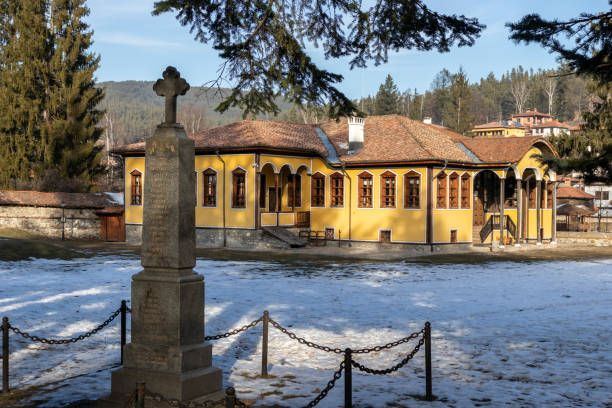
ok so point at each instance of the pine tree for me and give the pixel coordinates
(387, 98)
(47, 96)
(23, 80)
(457, 115)
(440, 95)
(589, 54)
(70, 131)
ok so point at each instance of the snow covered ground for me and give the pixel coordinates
(504, 334)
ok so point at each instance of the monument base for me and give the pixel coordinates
(186, 386)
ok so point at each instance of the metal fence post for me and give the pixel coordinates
(5, 355)
(140, 394)
(427, 335)
(123, 315)
(264, 345)
(348, 379)
(230, 397)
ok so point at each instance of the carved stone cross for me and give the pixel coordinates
(171, 86)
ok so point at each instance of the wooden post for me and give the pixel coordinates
(140, 394)
(279, 204)
(264, 345)
(427, 335)
(348, 379)
(554, 212)
(538, 210)
(123, 328)
(5, 355)
(519, 210)
(502, 198)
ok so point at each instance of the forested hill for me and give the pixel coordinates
(133, 110)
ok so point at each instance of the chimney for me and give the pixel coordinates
(427, 120)
(355, 133)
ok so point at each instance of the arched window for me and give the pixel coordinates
(412, 190)
(465, 191)
(210, 188)
(136, 188)
(442, 189)
(337, 190)
(317, 188)
(387, 190)
(549, 195)
(453, 191)
(238, 188)
(365, 190)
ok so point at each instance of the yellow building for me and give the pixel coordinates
(503, 128)
(380, 179)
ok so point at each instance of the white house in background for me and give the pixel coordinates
(548, 128)
(603, 197)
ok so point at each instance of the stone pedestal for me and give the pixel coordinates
(167, 349)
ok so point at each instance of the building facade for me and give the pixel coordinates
(384, 179)
(529, 123)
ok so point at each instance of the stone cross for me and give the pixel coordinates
(167, 349)
(171, 86)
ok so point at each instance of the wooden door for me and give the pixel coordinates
(479, 214)
(112, 227)
(272, 196)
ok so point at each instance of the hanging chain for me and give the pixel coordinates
(233, 332)
(395, 367)
(330, 384)
(328, 349)
(66, 341)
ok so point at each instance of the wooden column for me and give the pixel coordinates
(429, 214)
(293, 183)
(502, 188)
(519, 211)
(554, 212)
(278, 195)
(257, 193)
(538, 209)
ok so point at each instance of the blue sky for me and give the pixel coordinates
(135, 45)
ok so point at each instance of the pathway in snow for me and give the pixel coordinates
(505, 334)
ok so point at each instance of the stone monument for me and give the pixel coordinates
(167, 349)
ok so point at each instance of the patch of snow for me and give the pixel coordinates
(504, 334)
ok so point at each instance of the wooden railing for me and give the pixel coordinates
(493, 223)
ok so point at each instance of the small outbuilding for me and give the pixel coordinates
(64, 215)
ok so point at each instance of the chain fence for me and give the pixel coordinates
(423, 336)
(90, 333)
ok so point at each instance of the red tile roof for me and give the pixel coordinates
(532, 113)
(396, 138)
(565, 191)
(505, 149)
(251, 134)
(551, 124)
(390, 138)
(71, 200)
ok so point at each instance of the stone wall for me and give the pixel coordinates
(585, 238)
(80, 223)
(213, 238)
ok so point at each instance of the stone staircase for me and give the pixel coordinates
(284, 235)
